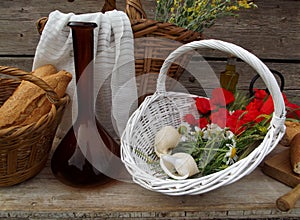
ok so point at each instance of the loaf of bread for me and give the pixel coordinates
(292, 128)
(45, 70)
(295, 153)
(59, 83)
(29, 103)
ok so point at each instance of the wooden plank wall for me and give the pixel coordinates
(271, 32)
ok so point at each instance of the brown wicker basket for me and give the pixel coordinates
(159, 40)
(24, 150)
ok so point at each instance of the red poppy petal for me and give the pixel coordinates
(203, 122)
(221, 97)
(293, 111)
(220, 117)
(260, 93)
(203, 105)
(189, 118)
(268, 106)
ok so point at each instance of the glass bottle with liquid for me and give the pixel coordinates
(229, 78)
(69, 162)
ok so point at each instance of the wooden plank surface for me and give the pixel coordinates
(290, 71)
(18, 33)
(44, 197)
(279, 167)
(271, 32)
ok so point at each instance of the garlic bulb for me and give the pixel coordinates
(179, 165)
(165, 140)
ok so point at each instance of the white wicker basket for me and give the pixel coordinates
(168, 108)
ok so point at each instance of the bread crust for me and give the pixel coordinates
(58, 82)
(45, 70)
(28, 103)
(292, 128)
(295, 153)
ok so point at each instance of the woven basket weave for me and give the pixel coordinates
(154, 41)
(168, 108)
(24, 150)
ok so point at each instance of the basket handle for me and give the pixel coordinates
(22, 75)
(251, 92)
(133, 9)
(246, 56)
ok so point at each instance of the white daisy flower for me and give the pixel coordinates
(231, 155)
(211, 131)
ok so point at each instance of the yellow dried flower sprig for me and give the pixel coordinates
(197, 15)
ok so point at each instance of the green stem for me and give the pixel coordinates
(140, 153)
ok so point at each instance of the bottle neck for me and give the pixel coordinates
(231, 62)
(230, 68)
(83, 46)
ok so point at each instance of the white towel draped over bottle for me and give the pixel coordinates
(114, 69)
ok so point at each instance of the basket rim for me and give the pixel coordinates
(233, 172)
(264, 72)
(14, 72)
(154, 183)
(57, 106)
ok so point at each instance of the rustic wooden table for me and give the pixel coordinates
(270, 32)
(44, 197)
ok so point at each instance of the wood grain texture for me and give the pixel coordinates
(44, 197)
(290, 71)
(279, 167)
(18, 34)
(209, 73)
(271, 32)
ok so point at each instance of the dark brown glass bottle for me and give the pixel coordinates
(68, 163)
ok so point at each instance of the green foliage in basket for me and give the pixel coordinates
(196, 15)
(229, 128)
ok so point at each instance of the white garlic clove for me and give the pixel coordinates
(165, 140)
(179, 166)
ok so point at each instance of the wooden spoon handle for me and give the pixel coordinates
(288, 200)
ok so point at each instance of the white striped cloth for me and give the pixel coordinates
(113, 64)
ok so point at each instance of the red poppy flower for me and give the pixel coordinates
(268, 106)
(202, 122)
(189, 118)
(293, 110)
(286, 101)
(203, 105)
(240, 127)
(235, 121)
(252, 116)
(221, 97)
(255, 104)
(219, 117)
(260, 93)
